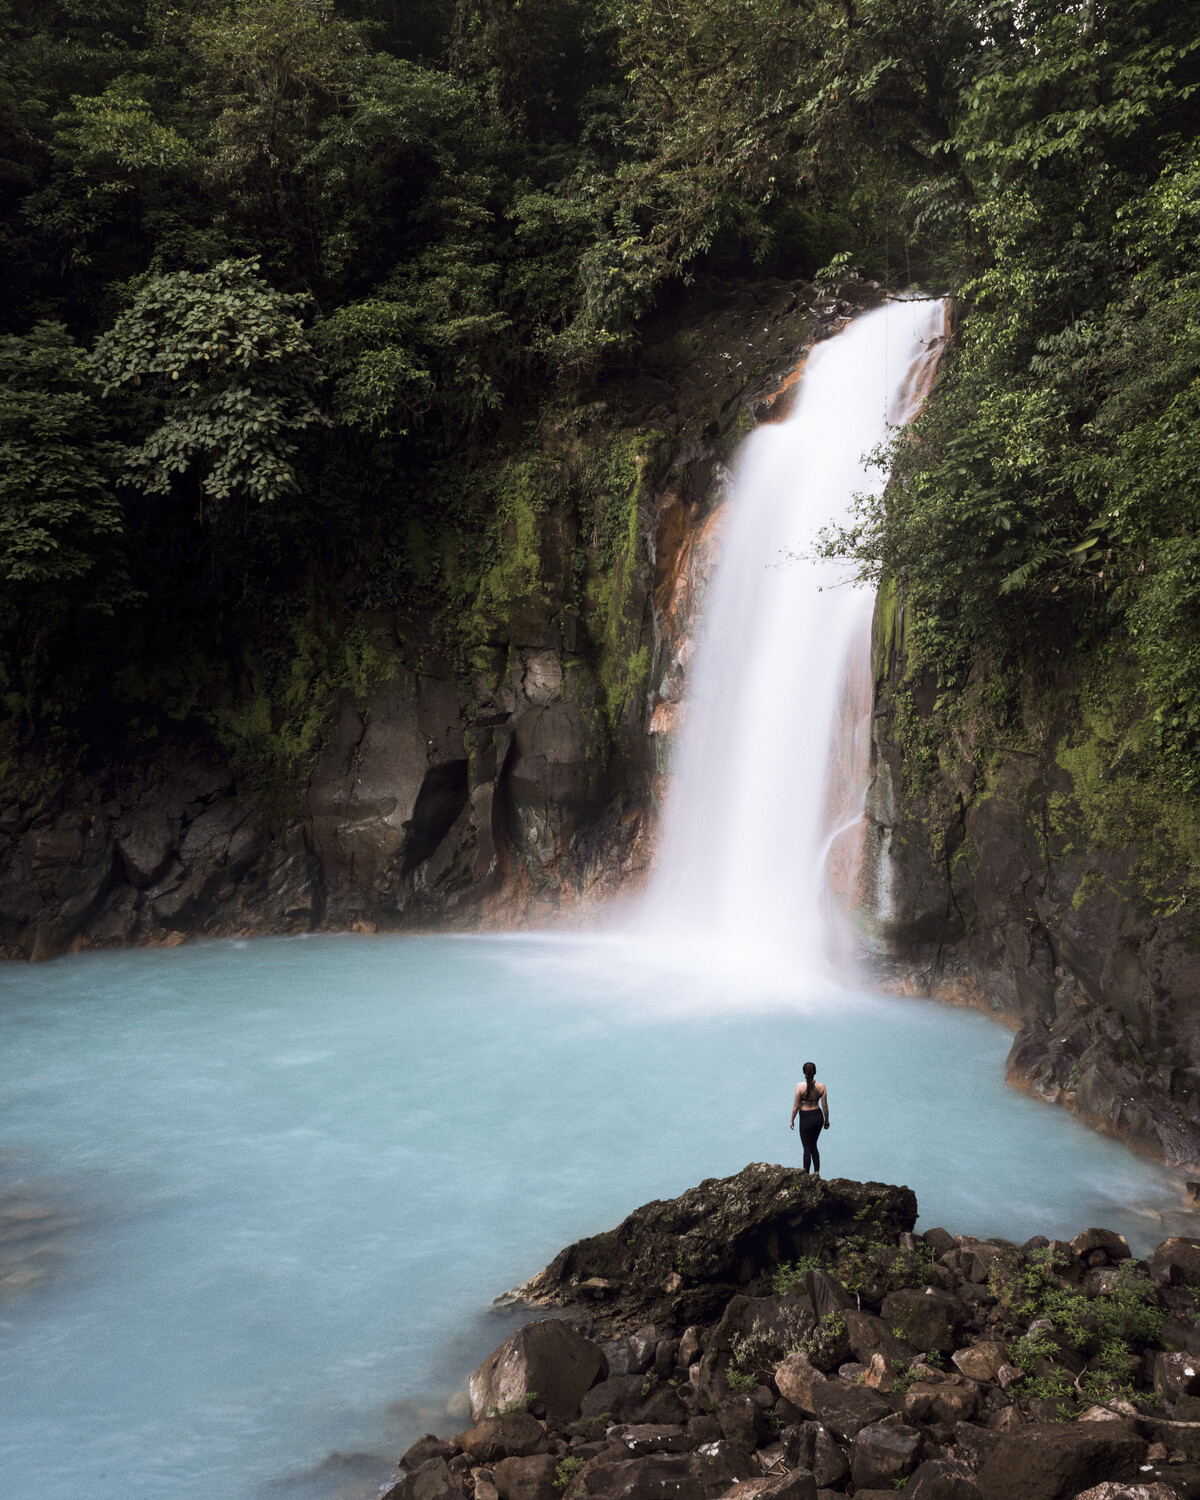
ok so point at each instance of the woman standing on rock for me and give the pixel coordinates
(811, 1098)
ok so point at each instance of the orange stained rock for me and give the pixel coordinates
(779, 404)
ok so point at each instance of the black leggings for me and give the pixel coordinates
(811, 1123)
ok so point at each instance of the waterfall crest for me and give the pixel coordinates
(764, 809)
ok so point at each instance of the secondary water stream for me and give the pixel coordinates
(256, 1197)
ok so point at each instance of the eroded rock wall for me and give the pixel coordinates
(990, 884)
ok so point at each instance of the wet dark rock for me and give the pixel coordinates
(643, 1439)
(702, 1475)
(548, 1358)
(703, 1428)
(1176, 1375)
(526, 1478)
(633, 1398)
(431, 1481)
(869, 1335)
(688, 1256)
(880, 1455)
(975, 1444)
(846, 1409)
(743, 1423)
(993, 906)
(767, 1325)
(944, 1403)
(939, 1240)
(424, 1449)
(1179, 1257)
(942, 1479)
(1113, 1247)
(1055, 1460)
(144, 842)
(516, 1434)
(620, 1357)
(927, 1317)
(809, 1445)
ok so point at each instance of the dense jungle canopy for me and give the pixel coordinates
(290, 283)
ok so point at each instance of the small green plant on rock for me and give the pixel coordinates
(512, 1403)
(904, 1378)
(565, 1472)
(790, 1274)
(1109, 1327)
(741, 1382)
(872, 1269)
(820, 1342)
(761, 1349)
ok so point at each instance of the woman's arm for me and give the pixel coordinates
(795, 1109)
(825, 1104)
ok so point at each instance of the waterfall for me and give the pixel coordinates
(764, 813)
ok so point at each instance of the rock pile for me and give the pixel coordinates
(849, 1357)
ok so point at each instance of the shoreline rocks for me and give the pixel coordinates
(770, 1336)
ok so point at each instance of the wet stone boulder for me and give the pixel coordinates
(633, 1398)
(432, 1481)
(882, 1454)
(1055, 1460)
(937, 1479)
(548, 1360)
(526, 1478)
(1179, 1258)
(515, 1434)
(683, 1259)
(846, 1409)
(925, 1317)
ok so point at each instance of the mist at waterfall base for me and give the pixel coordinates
(295, 1172)
(274, 1186)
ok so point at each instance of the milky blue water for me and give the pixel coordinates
(297, 1172)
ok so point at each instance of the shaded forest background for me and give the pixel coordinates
(290, 284)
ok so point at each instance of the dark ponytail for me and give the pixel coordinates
(810, 1073)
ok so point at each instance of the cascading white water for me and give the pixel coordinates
(769, 767)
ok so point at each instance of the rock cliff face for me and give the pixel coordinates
(990, 883)
(462, 791)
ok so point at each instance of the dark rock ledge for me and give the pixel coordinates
(772, 1336)
(1091, 1061)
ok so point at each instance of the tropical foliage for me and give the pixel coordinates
(286, 277)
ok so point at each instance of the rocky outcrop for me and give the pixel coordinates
(987, 883)
(687, 1256)
(152, 857)
(1051, 1369)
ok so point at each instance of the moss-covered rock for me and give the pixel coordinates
(1022, 856)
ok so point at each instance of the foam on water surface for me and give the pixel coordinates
(290, 1175)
